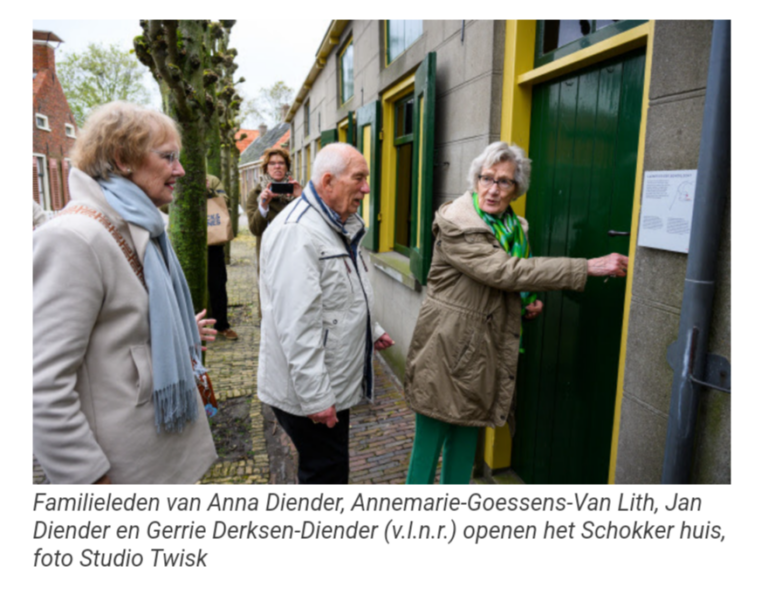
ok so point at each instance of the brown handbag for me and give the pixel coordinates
(219, 223)
(204, 384)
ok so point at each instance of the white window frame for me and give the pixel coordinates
(67, 128)
(46, 203)
(45, 120)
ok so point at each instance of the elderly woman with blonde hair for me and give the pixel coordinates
(461, 366)
(116, 341)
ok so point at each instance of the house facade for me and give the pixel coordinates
(596, 105)
(54, 129)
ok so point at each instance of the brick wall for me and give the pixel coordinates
(50, 101)
(35, 187)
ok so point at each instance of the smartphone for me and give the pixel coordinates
(281, 188)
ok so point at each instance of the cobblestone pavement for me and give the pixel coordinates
(232, 364)
(380, 434)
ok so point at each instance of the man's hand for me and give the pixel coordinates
(384, 342)
(534, 309)
(327, 417)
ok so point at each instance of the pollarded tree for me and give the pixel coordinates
(229, 123)
(174, 51)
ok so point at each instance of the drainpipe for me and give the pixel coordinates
(693, 367)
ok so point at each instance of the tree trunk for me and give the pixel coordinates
(189, 59)
(188, 225)
(173, 50)
(235, 186)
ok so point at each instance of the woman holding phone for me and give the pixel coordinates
(269, 197)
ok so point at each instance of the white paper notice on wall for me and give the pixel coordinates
(667, 210)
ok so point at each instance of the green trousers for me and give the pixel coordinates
(457, 444)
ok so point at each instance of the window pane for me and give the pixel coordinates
(403, 195)
(396, 37)
(347, 74)
(408, 127)
(559, 33)
(401, 34)
(604, 23)
(41, 182)
(412, 32)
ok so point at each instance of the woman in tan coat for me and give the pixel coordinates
(461, 366)
(116, 340)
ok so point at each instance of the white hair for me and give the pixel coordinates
(498, 152)
(332, 159)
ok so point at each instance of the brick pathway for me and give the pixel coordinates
(380, 434)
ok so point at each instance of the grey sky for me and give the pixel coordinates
(267, 51)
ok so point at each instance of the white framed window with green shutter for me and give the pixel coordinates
(346, 72)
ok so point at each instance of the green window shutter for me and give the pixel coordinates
(423, 167)
(367, 141)
(327, 137)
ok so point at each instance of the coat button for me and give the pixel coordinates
(335, 321)
(512, 377)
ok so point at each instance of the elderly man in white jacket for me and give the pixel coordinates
(317, 330)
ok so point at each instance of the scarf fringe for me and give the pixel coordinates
(175, 405)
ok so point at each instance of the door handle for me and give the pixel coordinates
(615, 233)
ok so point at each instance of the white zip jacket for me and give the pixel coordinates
(317, 330)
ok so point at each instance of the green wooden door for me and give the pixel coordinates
(584, 139)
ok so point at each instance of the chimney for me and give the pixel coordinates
(43, 50)
(286, 108)
(262, 129)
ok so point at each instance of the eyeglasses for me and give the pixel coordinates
(169, 157)
(279, 163)
(505, 185)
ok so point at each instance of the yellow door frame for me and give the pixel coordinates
(519, 78)
(342, 128)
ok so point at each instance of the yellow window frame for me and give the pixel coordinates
(389, 100)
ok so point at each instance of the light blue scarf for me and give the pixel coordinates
(172, 325)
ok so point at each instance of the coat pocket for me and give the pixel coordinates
(144, 382)
(336, 279)
(465, 351)
(474, 371)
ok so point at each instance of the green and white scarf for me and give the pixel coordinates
(509, 232)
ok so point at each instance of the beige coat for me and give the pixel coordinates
(462, 362)
(92, 361)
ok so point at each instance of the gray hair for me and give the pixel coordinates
(331, 159)
(497, 152)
